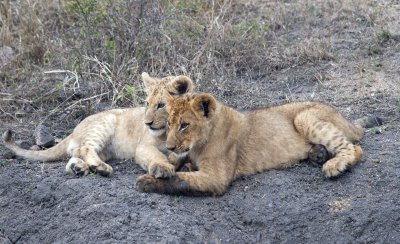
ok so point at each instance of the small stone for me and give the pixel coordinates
(153, 204)
(43, 136)
(35, 148)
(376, 161)
(19, 114)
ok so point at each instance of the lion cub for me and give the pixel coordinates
(118, 134)
(225, 144)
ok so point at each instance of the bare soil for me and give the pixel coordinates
(39, 203)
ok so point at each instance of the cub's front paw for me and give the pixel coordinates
(334, 167)
(174, 160)
(102, 169)
(162, 170)
(146, 183)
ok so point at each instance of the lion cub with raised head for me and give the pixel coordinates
(225, 144)
(118, 134)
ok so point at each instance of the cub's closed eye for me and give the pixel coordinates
(183, 126)
(160, 105)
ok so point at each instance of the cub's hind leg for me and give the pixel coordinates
(75, 164)
(93, 149)
(85, 159)
(89, 155)
(318, 131)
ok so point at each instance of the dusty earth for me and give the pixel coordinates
(39, 203)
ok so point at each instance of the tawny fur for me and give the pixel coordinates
(118, 134)
(226, 144)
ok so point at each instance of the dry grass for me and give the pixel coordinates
(75, 55)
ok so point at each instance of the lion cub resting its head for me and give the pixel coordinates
(118, 134)
(225, 144)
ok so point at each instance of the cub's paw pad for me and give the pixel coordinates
(77, 170)
(102, 169)
(333, 168)
(164, 170)
(77, 166)
(146, 183)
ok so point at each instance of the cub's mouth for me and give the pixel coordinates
(156, 131)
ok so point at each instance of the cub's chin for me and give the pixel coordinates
(181, 155)
(155, 132)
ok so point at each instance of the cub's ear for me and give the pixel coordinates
(204, 104)
(148, 81)
(180, 85)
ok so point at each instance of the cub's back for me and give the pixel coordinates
(112, 121)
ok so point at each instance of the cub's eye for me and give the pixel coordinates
(183, 126)
(147, 103)
(160, 105)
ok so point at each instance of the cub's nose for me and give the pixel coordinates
(148, 123)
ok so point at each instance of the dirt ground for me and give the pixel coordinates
(39, 203)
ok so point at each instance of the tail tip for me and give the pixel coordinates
(145, 75)
(369, 121)
(7, 136)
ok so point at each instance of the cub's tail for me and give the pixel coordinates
(51, 154)
(368, 121)
(364, 123)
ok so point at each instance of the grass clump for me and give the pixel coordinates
(381, 39)
(77, 54)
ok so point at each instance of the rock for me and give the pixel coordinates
(376, 161)
(19, 114)
(24, 144)
(318, 155)
(43, 136)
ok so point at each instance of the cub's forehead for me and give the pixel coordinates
(178, 107)
(158, 90)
